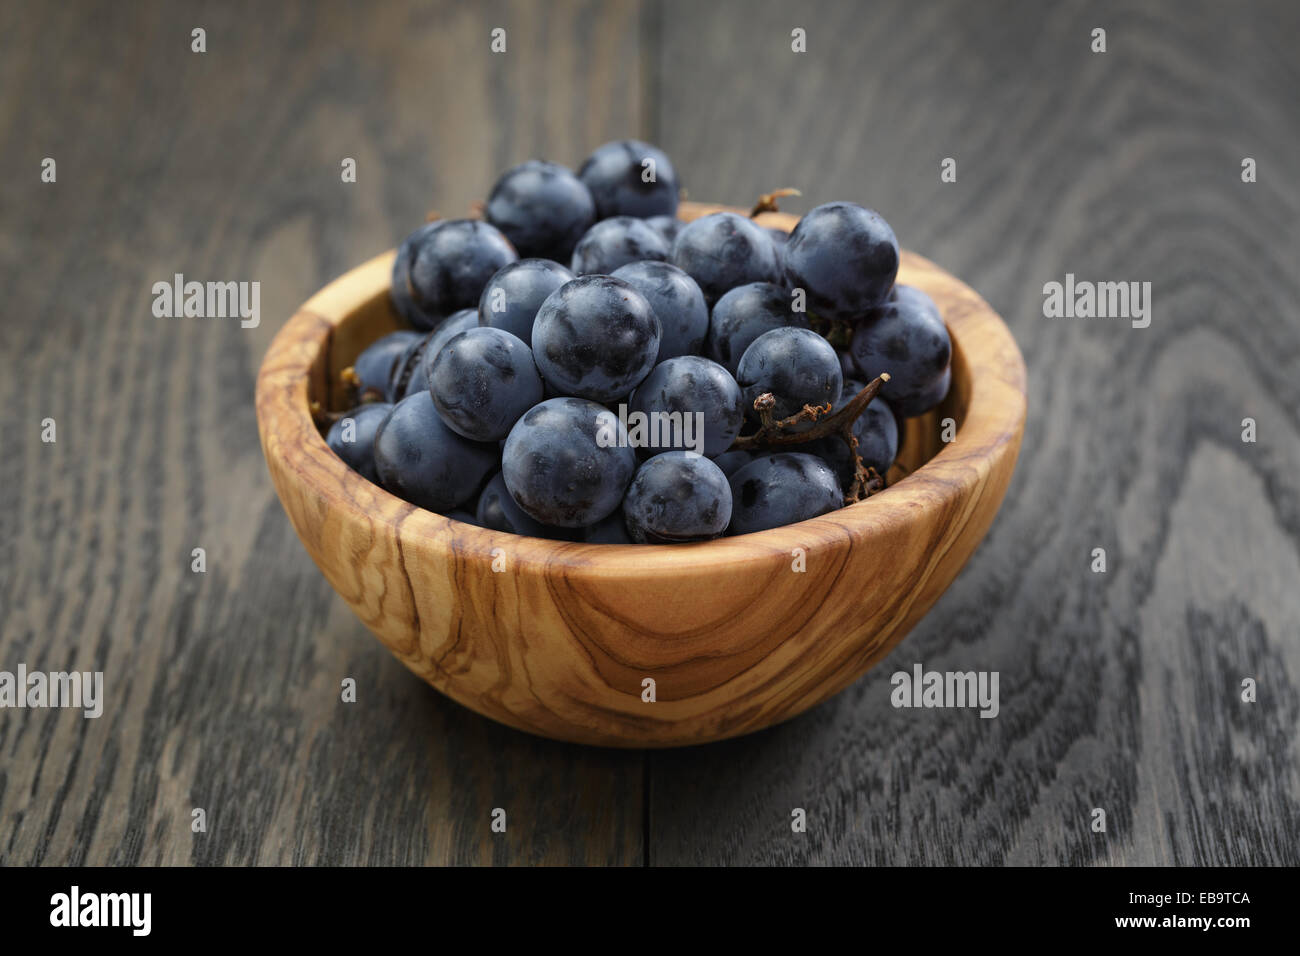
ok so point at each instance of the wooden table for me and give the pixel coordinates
(1119, 690)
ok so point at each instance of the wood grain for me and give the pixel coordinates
(558, 638)
(1119, 690)
(223, 689)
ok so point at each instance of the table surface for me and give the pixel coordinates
(1120, 690)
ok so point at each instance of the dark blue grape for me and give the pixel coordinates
(352, 437)
(482, 381)
(797, 366)
(732, 461)
(512, 297)
(745, 313)
(666, 226)
(876, 430)
(781, 489)
(616, 173)
(844, 257)
(421, 460)
(411, 370)
(443, 266)
(498, 511)
(722, 250)
(542, 208)
(463, 516)
(595, 337)
(406, 377)
(610, 530)
(936, 393)
(676, 300)
(689, 385)
(612, 243)
(847, 367)
(905, 337)
(677, 496)
(566, 462)
(456, 323)
(374, 366)
(779, 238)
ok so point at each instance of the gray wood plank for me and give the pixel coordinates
(222, 688)
(1118, 690)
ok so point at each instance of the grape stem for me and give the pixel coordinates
(323, 418)
(767, 201)
(775, 433)
(352, 387)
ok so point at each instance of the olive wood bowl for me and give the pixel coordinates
(562, 639)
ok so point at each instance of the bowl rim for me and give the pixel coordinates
(992, 427)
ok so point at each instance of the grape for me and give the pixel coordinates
(677, 496)
(905, 337)
(666, 226)
(411, 370)
(456, 323)
(616, 174)
(512, 297)
(936, 393)
(405, 368)
(676, 300)
(689, 384)
(352, 437)
(566, 462)
(781, 489)
(374, 366)
(482, 381)
(876, 430)
(779, 238)
(615, 242)
(847, 367)
(595, 337)
(732, 461)
(462, 516)
(542, 208)
(610, 530)
(844, 257)
(498, 511)
(797, 366)
(723, 250)
(422, 461)
(742, 315)
(443, 266)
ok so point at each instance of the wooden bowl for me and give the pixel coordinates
(561, 638)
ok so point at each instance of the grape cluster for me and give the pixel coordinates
(580, 365)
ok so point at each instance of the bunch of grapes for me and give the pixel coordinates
(579, 302)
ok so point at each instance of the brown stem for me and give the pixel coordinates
(866, 481)
(774, 434)
(767, 201)
(323, 418)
